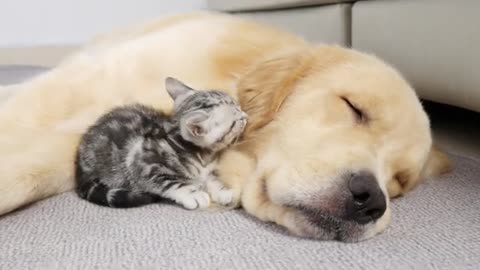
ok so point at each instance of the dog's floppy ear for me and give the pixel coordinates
(437, 163)
(264, 88)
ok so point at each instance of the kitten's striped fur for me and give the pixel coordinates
(136, 155)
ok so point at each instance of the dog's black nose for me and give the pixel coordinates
(367, 202)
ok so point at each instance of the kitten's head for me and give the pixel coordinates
(209, 119)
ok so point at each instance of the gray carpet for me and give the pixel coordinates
(14, 74)
(437, 226)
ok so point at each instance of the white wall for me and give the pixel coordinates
(62, 22)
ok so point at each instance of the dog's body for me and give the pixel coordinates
(318, 116)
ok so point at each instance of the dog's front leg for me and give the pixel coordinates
(256, 202)
(34, 165)
(233, 169)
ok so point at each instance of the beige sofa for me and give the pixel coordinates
(432, 42)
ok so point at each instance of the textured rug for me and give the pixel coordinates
(437, 226)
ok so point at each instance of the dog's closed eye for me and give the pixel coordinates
(360, 115)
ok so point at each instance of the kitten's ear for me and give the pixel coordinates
(195, 123)
(176, 88)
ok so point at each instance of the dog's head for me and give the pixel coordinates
(334, 133)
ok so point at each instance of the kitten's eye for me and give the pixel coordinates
(360, 116)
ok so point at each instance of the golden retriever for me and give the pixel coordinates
(332, 132)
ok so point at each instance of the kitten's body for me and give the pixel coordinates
(135, 155)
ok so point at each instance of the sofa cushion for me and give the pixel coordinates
(433, 43)
(249, 5)
(326, 24)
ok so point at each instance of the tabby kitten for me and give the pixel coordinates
(135, 155)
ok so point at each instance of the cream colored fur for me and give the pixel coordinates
(301, 134)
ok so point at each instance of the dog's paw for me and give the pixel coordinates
(236, 198)
(223, 196)
(197, 199)
(190, 197)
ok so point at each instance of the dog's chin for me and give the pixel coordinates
(320, 225)
(315, 224)
(324, 214)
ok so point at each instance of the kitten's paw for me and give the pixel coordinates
(195, 199)
(223, 197)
